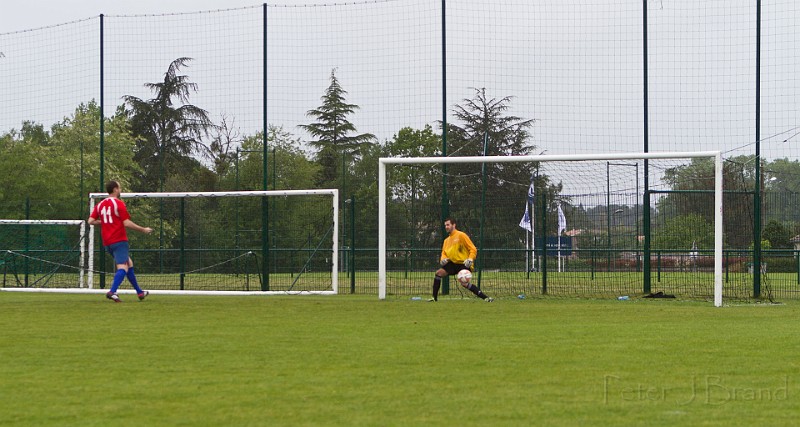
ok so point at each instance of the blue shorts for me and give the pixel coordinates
(119, 251)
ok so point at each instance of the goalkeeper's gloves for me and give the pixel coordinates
(468, 262)
(444, 261)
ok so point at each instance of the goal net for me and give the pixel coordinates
(222, 243)
(604, 225)
(42, 254)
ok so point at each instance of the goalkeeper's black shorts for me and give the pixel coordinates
(452, 268)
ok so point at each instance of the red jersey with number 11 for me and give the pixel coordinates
(112, 213)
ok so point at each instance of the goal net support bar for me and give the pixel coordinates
(382, 194)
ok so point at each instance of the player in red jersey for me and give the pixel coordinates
(112, 216)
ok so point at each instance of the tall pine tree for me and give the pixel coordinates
(167, 134)
(334, 135)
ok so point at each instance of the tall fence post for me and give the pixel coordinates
(759, 178)
(352, 244)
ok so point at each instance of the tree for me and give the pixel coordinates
(782, 191)
(783, 176)
(682, 232)
(419, 181)
(23, 151)
(289, 168)
(167, 133)
(77, 140)
(49, 165)
(483, 126)
(480, 115)
(738, 177)
(225, 141)
(777, 235)
(335, 136)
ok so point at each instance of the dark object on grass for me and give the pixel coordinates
(658, 295)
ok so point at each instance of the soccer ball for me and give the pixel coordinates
(464, 276)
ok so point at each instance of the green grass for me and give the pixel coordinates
(181, 360)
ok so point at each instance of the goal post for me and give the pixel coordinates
(212, 242)
(714, 156)
(42, 253)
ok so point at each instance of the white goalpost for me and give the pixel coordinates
(257, 195)
(715, 156)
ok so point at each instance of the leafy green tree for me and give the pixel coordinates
(167, 133)
(409, 188)
(484, 128)
(77, 138)
(34, 133)
(483, 125)
(289, 167)
(782, 191)
(738, 175)
(782, 176)
(48, 164)
(682, 232)
(777, 234)
(335, 137)
(365, 191)
(24, 158)
(420, 181)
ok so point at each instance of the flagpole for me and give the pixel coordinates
(562, 226)
(559, 252)
(527, 223)
(559, 241)
(527, 252)
(533, 237)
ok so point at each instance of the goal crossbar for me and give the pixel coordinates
(716, 155)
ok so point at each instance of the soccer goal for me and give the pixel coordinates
(42, 254)
(228, 243)
(589, 225)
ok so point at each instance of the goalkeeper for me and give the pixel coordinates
(458, 253)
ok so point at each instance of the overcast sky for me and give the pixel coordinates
(575, 66)
(28, 14)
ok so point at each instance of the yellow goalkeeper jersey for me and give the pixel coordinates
(457, 247)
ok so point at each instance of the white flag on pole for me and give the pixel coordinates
(562, 225)
(525, 222)
(562, 221)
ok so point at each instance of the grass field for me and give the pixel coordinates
(191, 360)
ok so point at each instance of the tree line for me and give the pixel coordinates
(166, 143)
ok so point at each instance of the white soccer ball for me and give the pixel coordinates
(464, 276)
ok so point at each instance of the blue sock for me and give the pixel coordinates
(132, 279)
(118, 278)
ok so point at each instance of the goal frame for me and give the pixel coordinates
(334, 193)
(716, 155)
(82, 235)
